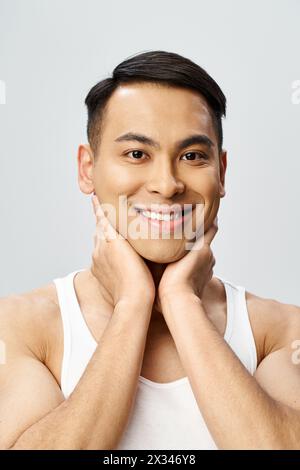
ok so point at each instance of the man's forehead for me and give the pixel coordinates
(130, 108)
(135, 94)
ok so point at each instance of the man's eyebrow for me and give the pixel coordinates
(181, 144)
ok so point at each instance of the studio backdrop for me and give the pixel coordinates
(52, 52)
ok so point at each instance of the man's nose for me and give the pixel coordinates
(165, 181)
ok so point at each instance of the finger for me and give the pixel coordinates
(97, 208)
(211, 232)
(206, 237)
(103, 222)
(102, 225)
(100, 231)
(99, 234)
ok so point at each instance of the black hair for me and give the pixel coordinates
(161, 67)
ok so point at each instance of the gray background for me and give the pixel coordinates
(53, 51)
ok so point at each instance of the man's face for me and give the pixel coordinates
(163, 174)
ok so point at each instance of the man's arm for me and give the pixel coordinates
(241, 412)
(33, 412)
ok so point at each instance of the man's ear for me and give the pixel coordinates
(85, 161)
(223, 166)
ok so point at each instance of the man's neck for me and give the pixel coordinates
(157, 270)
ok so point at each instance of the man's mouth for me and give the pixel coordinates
(165, 220)
(173, 215)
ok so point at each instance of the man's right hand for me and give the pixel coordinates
(116, 265)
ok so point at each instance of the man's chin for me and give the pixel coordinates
(162, 254)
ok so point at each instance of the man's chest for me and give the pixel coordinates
(160, 362)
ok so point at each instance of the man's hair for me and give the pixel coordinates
(161, 67)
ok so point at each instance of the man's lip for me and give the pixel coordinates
(165, 209)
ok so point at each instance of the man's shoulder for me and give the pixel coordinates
(28, 317)
(275, 323)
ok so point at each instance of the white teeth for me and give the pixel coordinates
(160, 216)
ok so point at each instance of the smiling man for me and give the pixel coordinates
(145, 348)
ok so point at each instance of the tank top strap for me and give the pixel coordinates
(241, 338)
(71, 319)
(68, 301)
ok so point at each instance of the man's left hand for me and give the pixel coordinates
(191, 273)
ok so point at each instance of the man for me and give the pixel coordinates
(146, 349)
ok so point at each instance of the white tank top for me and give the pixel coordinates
(164, 415)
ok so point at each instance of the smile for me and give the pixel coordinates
(164, 221)
(160, 216)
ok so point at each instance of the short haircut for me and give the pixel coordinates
(161, 67)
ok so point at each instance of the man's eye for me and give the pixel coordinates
(190, 156)
(135, 154)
